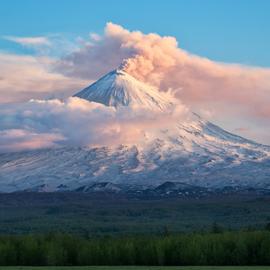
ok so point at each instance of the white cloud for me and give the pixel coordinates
(77, 122)
(29, 41)
(24, 77)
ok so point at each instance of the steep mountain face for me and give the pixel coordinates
(192, 153)
(118, 88)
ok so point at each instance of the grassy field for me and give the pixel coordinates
(140, 268)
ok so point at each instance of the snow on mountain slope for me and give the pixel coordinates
(192, 151)
(200, 154)
(118, 88)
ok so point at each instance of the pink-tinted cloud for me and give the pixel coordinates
(198, 81)
(229, 94)
(30, 41)
(77, 122)
(24, 77)
(21, 139)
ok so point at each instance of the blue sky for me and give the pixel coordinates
(223, 30)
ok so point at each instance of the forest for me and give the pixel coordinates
(211, 248)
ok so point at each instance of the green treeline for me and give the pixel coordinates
(227, 248)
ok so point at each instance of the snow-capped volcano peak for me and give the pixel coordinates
(118, 88)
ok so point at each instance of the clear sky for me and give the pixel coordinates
(222, 30)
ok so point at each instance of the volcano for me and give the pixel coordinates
(118, 88)
(192, 152)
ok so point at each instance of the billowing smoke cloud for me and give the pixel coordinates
(235, 96)
(77, 122)
(203, 84)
